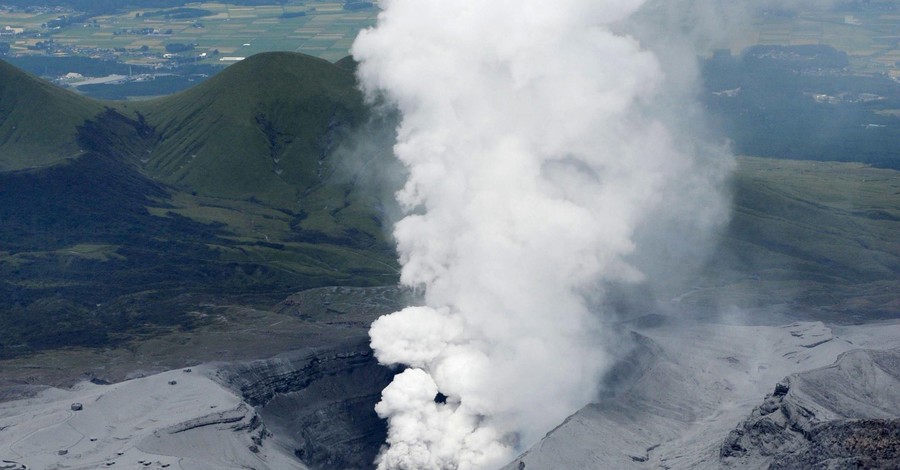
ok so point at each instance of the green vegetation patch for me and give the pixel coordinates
(92, 252)
(176, 13)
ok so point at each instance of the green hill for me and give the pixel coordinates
(262, 129)
(266, 130)
(38, 120)
(238, 192)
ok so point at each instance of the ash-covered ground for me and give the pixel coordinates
(685, 394)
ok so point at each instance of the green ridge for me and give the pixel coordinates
(264, 128)
(38, 120)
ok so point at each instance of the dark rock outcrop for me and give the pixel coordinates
(241, 414)
(843, 416)
(318, 403)
(10, 465)
(848, 444)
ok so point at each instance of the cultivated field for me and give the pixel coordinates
(871, 38)
(323, 29)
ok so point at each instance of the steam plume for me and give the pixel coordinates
(542, 161)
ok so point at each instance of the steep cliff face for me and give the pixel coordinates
(839, 417)
(319, 404)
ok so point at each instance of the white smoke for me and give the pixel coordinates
(539, 143)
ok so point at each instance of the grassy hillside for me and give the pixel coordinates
(819, 238)
(38, 120)
(266, 131)
(238, 192)
(263, 129)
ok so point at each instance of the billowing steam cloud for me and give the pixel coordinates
(541, 156)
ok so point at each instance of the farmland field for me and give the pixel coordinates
(175, 48)
(326, 29)
(870, 38)
(323, 29)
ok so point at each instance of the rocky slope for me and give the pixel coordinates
(697, 381)
(673, 402)
(838, 417)
(320, 403)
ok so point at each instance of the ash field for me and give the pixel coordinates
(685, 393)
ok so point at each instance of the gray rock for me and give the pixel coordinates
(843, 416)
(318, 403)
